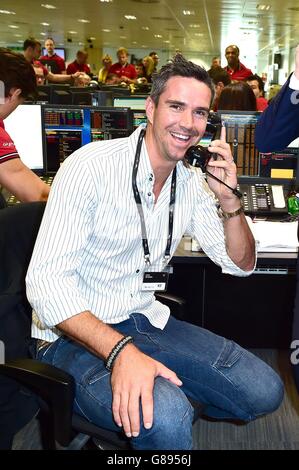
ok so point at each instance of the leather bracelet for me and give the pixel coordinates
(228, 215)
(116, 350)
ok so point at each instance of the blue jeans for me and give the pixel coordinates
(230, 381)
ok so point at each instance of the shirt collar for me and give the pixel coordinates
(145, 171)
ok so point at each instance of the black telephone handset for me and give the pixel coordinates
(198, 155)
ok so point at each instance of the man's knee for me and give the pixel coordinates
(172, 424)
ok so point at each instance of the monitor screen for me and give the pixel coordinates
(133, 102)
(24, 126)
(139, 117)
(67, 128)
(59, 51)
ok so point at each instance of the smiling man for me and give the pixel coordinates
(131, 200)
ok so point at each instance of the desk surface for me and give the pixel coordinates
(189, 257)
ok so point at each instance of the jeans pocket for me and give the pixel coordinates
(229, 355)
(96, 373)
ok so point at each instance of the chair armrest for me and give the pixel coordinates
(175, 303)
(53, 385)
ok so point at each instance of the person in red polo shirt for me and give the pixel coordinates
(51, 59)
(125, 72)
(234, 68)
(80, 64)
(18, 81)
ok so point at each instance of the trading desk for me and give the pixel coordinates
(255, 311)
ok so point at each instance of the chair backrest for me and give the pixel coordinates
(19, 226)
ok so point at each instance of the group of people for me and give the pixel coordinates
(134, 364)
(124, 72)
(236, 87)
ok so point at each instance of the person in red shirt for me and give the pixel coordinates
(236, 70)
(19, 81)
(32, 50)
(257, 85)
(125, 72)
(80, 64)
(51, 59)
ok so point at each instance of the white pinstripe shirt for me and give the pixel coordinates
(89, 254)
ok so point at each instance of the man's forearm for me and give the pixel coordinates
(240, 243)
(91, 332)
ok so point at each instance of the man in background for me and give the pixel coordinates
(51, 59)
(19, 81)
(156, 59)
(80, 64)
(257, 85)
(236, 70)
(125, 72)
(220, 79)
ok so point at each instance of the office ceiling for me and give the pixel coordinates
(194, 27)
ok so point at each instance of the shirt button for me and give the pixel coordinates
(150, 178)
(149, 194)
(137, 271)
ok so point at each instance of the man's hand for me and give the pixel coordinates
(296, 72)
(223, 168)
(132, 382)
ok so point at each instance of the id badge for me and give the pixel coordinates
(155, 281)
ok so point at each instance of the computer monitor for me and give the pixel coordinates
(133, 102)
(139, 117)
(110, 123)
(24, 125)
(59, 51)
(67, 128)
(240, 128)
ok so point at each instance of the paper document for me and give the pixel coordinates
(275, 236)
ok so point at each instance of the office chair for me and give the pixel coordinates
(52, 390)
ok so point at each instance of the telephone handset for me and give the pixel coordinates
(264, 199)
(198, 155)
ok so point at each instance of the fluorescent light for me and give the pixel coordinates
(130, 17)
(82, 20)
(7, 12)
(48, 6)
(45, 24)
(263, 7)
(13, 26)
(188, 12)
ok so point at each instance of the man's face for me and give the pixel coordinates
(232, 55)
(122, 58)
(254, 85)
(179, 120)
(155, 59)
(216, 62)
(39, 74)
(49, 45)
(82, 58)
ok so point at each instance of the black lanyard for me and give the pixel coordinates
(140, 209)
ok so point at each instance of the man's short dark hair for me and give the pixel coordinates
(233, 45)
(258, 79)
(16, 72)
(31, 42)
(178, 67)
(151, 54)
(218, 74)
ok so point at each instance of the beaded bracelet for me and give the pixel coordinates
(116, 350)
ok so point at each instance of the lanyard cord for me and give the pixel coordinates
(140, 209)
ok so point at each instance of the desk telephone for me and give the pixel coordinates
(264, 199)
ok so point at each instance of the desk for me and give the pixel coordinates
(255, 311)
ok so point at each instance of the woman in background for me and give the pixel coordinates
(103, 73)
(237, 96)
